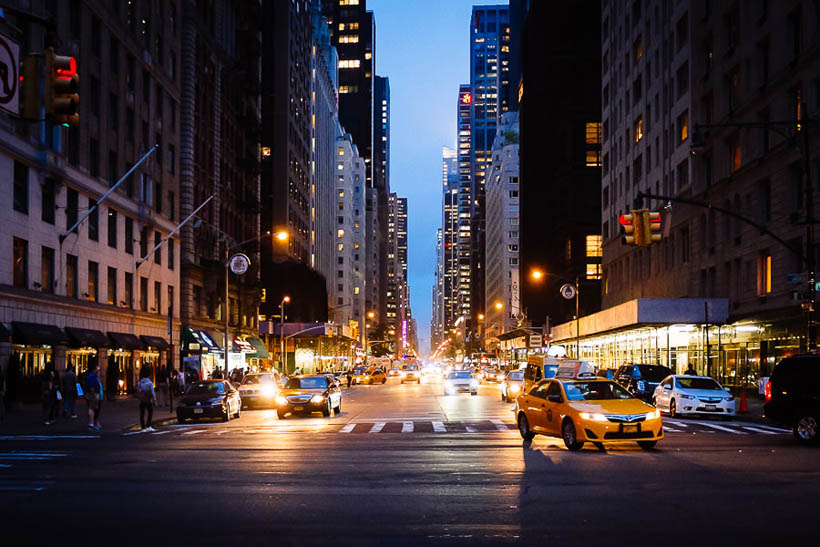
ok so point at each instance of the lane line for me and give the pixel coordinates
(671, 430)
(377, 427)
(438, 427)
(348, 428)
(759, 430)
(501, 426)
(194, 432)
(407, 427)
(38, 454)
(721, 428)
(137, 432)
(222, 432)
(679, 424)
(775, 429)
(160, 432)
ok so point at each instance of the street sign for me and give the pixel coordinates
(240, 263)
(536, 341)
(795, 278)
(568, 291)
(9, 75)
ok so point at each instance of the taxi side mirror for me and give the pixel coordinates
(555, 398)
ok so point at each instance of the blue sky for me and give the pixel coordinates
(423, 47)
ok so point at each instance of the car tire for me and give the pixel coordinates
(238, 412)
(327, 410)
(647, 445)
(226, 413)
(418, 381)
(570, 438)
(339, 407)
(805, 428)
(524, 428)
(673, 409)
(384, 380)
(180, 420)
(281, 414)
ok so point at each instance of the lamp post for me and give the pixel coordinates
(569, 292)
(285, 300)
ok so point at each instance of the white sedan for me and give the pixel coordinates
(683, 394)
(460, 380)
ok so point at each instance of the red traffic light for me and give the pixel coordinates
(625, 220)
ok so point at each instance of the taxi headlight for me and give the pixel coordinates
(403, 374)
(281, 401)
(593, 417)
(316, 399)
(268, 391)
(653, 415)
(514, 387)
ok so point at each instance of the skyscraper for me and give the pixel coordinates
(462, 273)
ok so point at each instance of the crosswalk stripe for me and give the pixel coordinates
(775, 429)
(759, 430)
(471, 429)
(672, 430)
(407, 427)
(501, 426)
(377, 427)
(161, 432)
(348, 428)
(721, 428)
(679, 424)
(438, 427)
(194, 432)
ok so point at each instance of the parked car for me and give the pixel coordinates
(641, 380)
(793, 396)
(460, 380)
(687, 395)
(307, 394)
(209, 399)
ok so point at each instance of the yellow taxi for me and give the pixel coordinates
(583, 408)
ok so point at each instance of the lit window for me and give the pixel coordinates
(348, 2)
(593, 271)
(349, 39)
(594, 245)
(341, 150)
(593, 158)
(638, 129)
(266, 151)
(355, 290)
(593, 133)
(683, 126)
(341, 193)
(638, 47)
(341, 246)
(350, 63)
(340, 233)
(353, 26)
(764, 273)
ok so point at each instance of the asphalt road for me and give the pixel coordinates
(403, 465)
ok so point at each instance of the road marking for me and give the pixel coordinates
(501, 426)
(160, 432)
(38, 486)
(407, 427)
(759, 430)
(438, 427)
(222, 432)
(194, 432)
(679, 424)
(348, 428)
(377, 427)
(471, 429)
(721, 428)
(22, 456)
(671, 430)
(137, 432)
(775, 429)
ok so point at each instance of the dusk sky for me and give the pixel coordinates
(423, 47)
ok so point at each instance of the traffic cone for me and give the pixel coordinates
(743, 406)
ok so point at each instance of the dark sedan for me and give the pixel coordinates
(209, 399)
(308, 394)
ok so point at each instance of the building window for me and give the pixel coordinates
(20, 187)
(171, 159)
(47, 205)
(157, 253)
(593, 133)
(112, 286)
(735, 158)
(72, 204)
(129, 235)
(144, 293)
(112, 228)
(93, 281)
(593, 158)
(594, 246)
(47, 270)
(170, 305)
(158, 298)
(593, 271)
(93, 221)
(71, 276)
(20, 262)
(143, 242)
(340, 233)
(638, 126)
(683, 126)
(129, 290)
(171, 252)
(764, 273)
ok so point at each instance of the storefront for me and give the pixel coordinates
(200, 352)
(122, 370)
(34, 345)
(259, 359)
(155, 354)
(84, 348)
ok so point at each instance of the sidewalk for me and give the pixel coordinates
(115, 417)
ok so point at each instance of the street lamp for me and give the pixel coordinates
(285, 300)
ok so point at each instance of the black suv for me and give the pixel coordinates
(793, 396)
(641, 380)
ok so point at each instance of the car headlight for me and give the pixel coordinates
(684, 396)
(281, 401)
(403, 374)
(268, 391)
(473, 383)
(593, 417)
(730, 398)
(316, 399)
(653, 415)
(514, 387)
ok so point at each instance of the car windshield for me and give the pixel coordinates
(206, 387)
(309, 382)
(460, 375)
(697, 383)
(595, 391)
(515, 375)
(410, 367)
(257, 379)
(654, 373)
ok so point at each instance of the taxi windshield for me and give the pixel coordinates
(595, 391)
(410, 367)
(358, 371)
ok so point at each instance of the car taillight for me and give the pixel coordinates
(768, 390)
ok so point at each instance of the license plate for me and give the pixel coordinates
(711, 407)
(298, 408)
(197, 411)
(629, 428)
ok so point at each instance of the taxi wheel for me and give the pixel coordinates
(647, 445)
(673, 408)
(524, 428)
(569, 436)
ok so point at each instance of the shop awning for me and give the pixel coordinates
(125, 340)
(5, 334)
(199, 340)
(87, 338)
(35, 334)
(261, 350)
(242, 346)
(215, 337)
(156, 342)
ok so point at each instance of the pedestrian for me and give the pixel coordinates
(691, 370)
(148, 398)
(70, 392)
(182, 379)
(349, 378)
(93, 396)
(46, 394)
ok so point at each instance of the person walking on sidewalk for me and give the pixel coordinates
(93, 396)
(47, 395)
(70, 393)
(148, 398)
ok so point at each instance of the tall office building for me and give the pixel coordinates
(462, 272)
(447, 250)
(381, 179)
(489, 83)
(436, 325)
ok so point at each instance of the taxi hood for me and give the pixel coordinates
(612, 406)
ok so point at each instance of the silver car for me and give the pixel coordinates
(459, 381)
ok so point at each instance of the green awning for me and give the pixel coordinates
(261, 350)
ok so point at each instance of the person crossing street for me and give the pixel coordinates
(148, 398)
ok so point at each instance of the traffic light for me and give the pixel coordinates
(62, 88)
(654, 233)
(628, 229)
